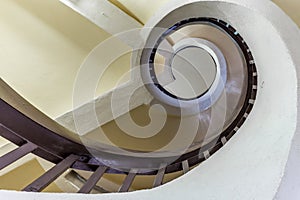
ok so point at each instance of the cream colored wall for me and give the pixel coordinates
(42, 45)
(141, 8)
(291, 7)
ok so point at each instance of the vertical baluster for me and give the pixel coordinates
(16, 154)
(93, 180)
(47, 178)
(128, 181)
(185, 166)
(159, 177)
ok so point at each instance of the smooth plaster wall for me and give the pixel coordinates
(42, 46)
(291, 7)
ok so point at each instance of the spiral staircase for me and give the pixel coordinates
(209, 134)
